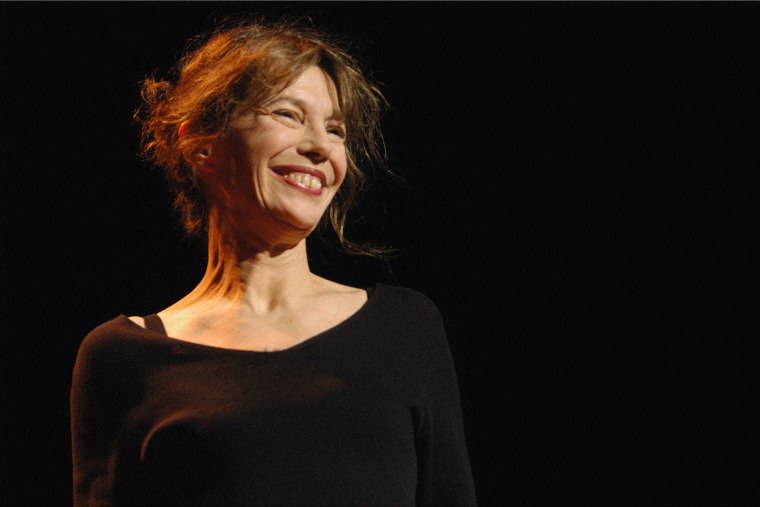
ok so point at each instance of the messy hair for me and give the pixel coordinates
(244, 64)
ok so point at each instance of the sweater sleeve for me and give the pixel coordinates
(444, 470)
(95, 419)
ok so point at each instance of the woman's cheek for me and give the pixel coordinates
(342, 167)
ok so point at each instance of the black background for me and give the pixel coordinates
(576, 194)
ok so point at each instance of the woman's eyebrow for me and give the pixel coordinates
(303, 105)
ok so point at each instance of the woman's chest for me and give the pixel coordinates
(226, 423)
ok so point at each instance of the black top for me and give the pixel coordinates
(366, 413)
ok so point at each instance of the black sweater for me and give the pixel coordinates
(365, 413)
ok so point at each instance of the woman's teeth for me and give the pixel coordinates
(307, 180)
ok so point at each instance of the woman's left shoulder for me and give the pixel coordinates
(405, 295)
(410, 304)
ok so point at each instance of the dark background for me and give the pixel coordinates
(576, 193)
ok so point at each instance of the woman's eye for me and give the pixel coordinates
(287, 114)
(337, 131)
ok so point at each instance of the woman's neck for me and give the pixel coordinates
(253, 277)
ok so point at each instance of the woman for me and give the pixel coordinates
(267, 384)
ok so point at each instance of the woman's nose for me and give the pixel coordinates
(315, 145)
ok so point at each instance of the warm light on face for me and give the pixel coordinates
(280, 166)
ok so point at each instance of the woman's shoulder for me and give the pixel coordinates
(407, 299)
(110, 338)
(407, 314)
(112, 330)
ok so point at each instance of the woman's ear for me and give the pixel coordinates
(183, 128)
(198, 156)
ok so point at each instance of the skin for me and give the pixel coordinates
(258, 292)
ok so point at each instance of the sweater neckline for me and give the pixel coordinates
(372, 291)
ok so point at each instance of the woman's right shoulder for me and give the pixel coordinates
(114, 337)
(110, 360)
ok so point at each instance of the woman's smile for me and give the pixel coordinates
(305, 179)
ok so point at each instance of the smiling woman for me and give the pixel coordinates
(267, 384)
(284, 163)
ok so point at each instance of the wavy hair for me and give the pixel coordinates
(244, 63)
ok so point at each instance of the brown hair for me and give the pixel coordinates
(244, 63)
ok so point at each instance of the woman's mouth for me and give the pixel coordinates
(306, 179)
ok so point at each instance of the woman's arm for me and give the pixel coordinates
(95, 417)
(444, 471)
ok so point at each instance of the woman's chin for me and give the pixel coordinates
(301, 217)
(302, 224)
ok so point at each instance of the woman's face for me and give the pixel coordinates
(275, 172)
